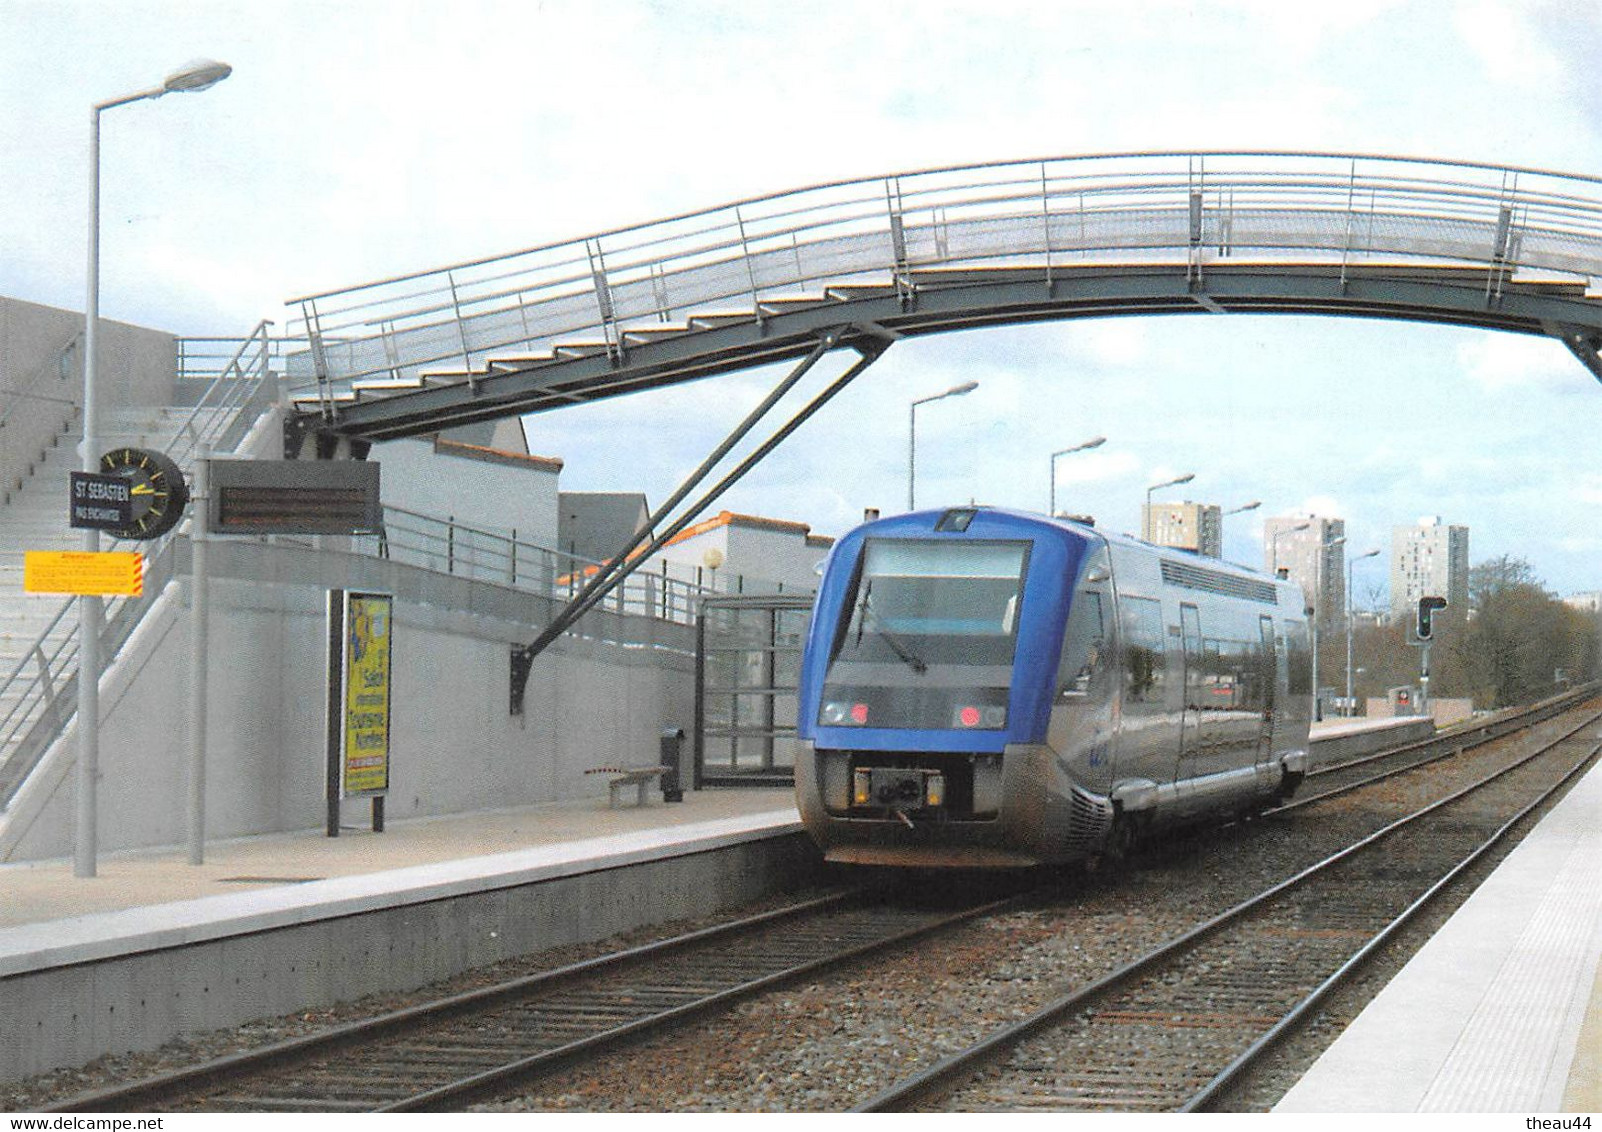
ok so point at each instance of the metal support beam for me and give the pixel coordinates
(1585, 345)
(615, 572)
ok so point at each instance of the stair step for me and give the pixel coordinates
(581, 349)
(712, 320)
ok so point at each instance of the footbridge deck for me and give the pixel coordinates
(871, 261)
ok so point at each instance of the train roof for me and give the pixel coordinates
(1186, 561)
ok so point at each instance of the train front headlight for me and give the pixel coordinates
(934, 790)
(843, 713)
(861, 787)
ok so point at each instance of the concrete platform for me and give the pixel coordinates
(37, 892)
(152, 947)
(1502, 1010)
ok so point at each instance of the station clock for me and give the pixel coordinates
(158, 490)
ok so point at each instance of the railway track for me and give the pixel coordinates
(1328, 781)
(447, 1053)
(470, 1047)
(1174, 1028)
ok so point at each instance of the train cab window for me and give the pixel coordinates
(928, 636)
(1088, 637)
(937, 601)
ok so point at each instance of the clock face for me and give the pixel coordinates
(159, 492)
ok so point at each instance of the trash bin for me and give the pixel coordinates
(671, 754)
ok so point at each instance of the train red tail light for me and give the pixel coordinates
(991, 717)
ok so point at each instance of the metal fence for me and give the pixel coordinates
(669, 591)
(748, 669)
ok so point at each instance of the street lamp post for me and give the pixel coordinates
(1350, 565)
(1252, 506)
(1318, 602)
(196, 76)
(1085, 447)
(1146, 523)
(912, 433)
(1274, 568)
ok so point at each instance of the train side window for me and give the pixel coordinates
(1145, 663)
(1300, 657)
(1084, 645)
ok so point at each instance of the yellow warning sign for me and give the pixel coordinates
(107, 572)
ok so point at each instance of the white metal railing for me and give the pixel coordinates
(669, 591)
(38, 691)
(1048, 214)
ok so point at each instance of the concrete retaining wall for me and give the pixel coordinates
(133, 980)
(1341, 742)
(455, 748)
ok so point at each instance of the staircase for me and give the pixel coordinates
(38, 632)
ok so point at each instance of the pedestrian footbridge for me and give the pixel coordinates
(863, 263)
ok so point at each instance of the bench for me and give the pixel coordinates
(624, 776)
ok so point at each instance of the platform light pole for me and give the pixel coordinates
(912, 433)
(1274, 567)
(1146, 523)
(194, 77)
(1350, 566)
(1252, 506)
(1096, 442)
(1318, 594)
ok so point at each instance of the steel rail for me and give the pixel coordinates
(171, 1087)
(1258, 1049)
(1439, 747)
(962, 1064)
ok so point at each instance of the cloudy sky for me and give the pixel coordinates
(359, 140)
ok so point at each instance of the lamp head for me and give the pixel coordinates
(196, 75)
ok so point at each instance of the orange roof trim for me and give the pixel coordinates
(497, 455)
(724, 519)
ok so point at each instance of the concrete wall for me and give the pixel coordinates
(481, 487)
(136, 367)
(766, 552)
(1445, 712)
(151, 975)
(455, 746)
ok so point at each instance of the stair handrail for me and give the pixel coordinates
(233, 387)
(46, 370)
(240, 382)
(28, 395)
(501, 556)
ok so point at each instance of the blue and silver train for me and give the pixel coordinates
(987, 688)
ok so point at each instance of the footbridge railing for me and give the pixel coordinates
(924, 251)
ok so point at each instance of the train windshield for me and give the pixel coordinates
(936, 602)
(920, 607)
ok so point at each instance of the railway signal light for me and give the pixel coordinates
(1426, 610)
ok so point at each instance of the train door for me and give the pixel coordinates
(1191, 687)
(1268, 674)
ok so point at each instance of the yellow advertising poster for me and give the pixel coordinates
(368, 621)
